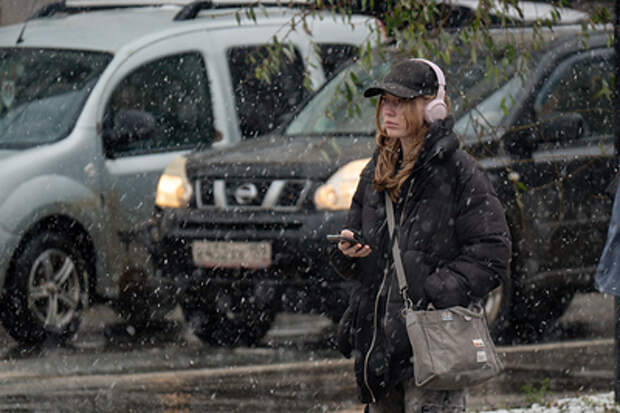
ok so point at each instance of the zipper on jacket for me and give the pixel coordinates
(385, 274)
(374, 335)
(387, 304)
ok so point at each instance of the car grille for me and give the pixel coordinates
(264, 194)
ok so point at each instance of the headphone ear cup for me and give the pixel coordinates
(435, 110)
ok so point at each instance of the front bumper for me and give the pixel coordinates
(299, 252)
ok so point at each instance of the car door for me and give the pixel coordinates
(563, 159)
(157, 111)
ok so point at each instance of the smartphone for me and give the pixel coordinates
(338, 238)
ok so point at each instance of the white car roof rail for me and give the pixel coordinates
(189, 11)
(123, 3)
(216, 3)
(81, 6)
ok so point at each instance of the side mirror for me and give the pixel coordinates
(131, 126)
(563, 127)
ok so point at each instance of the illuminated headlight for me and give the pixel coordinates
(174, 189)
(337, 193)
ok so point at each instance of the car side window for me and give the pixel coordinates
(163, 105)
(260, 105)
(333, 55)
(579, 87)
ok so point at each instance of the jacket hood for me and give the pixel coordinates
(440, 142)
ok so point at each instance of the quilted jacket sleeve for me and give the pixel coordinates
(485, 245)
(346, 267)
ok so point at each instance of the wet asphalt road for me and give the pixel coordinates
(294, 370)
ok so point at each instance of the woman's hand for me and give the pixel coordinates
(350, 249)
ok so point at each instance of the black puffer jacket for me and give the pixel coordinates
(455, 247)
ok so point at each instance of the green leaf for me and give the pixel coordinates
(334, 144)
(503, 106)
(307, 82)
(348, 91)
(325, 155)
(358, 110)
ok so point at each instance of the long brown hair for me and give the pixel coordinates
(386, 176)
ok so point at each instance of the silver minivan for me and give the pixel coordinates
(95, 101)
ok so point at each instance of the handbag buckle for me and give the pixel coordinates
(406, 299)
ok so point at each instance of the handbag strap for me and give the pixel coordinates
(398, 262)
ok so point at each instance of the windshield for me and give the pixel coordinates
(480, 97)
(487, 115)
(339, 107)
(42, 92)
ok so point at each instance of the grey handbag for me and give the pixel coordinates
(452, 348)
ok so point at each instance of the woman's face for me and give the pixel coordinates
(402, 118)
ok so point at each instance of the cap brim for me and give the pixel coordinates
(393, 89)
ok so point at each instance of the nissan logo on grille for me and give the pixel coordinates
(242, 194)
(246, 193)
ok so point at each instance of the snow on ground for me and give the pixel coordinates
(592, 403)
(597, 403)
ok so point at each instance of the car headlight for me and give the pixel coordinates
(174, 189)
(337, 193)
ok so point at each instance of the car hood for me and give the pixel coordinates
(308, 157)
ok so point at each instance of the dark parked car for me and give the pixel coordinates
(250, 239)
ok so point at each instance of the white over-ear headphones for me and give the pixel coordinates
(436, 109)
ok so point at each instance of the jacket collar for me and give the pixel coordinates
(439, 144)
(440, 141)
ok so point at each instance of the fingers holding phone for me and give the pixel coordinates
(351, 245)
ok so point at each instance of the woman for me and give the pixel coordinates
(453, 236)
(608, 270)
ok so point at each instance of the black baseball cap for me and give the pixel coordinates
(407, 79)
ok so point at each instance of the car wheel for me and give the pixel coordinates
(143, 300)
(229, 318)
(531, 309)
(498, 306)
(47, 290)
(538, 314)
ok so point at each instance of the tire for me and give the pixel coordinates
(228, 318)
(142, 300)
(538, 314)
(498, 306)
(46, 292)
(517, 313)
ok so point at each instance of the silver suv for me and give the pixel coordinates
(95, 101)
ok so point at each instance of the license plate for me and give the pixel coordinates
(223, 254)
